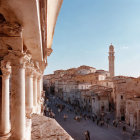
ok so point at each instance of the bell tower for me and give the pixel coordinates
(111, 58)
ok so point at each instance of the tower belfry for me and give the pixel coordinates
(111, 58)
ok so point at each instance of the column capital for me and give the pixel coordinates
(17, 59)
(29, 69)
(40, 66)
(6, 68)
(35, 74)
(39, 76)
(29, 72)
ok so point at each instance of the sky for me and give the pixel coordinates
(85, 29)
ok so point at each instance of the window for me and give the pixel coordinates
(121, 97)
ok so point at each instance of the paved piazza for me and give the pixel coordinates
(76, 129)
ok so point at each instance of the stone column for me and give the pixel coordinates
(39, 88)
(35, 89)
(18, 124)
(5, 118)
(18, 102)
(29, 91)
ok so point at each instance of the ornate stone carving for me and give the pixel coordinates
(6, 68)
(37, 68)
(36, 64)
(29, 72)
(49, 51)
(43, 65)
(18, 59)
(10, 29)
(34, 75)
(29, 68)
(38, 76)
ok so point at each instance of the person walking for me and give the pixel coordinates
(93, 119)
(87, 135)
(97, 122)
(124, 129)
(134, 131)
(65, 117)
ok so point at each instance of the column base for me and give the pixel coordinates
(5, 136)
(29, 112)
(5, 133)
(37, 109)
(28, 129)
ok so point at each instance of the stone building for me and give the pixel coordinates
(82, 70)
(101, 98)
(26, 34)
(86, 99)
(96, 99)
(133, 112)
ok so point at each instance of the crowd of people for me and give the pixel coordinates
(63, 109)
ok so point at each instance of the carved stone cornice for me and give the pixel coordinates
(49, 51)
(10, 29)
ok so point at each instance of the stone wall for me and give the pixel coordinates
(44, 128)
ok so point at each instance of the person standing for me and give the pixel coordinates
(124, 129)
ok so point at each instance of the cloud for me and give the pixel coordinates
(121, 48)
(124, 47)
